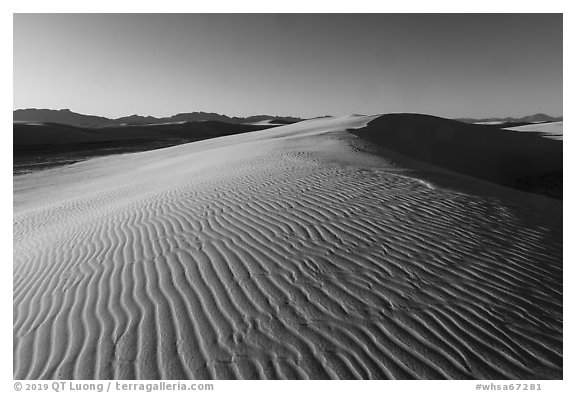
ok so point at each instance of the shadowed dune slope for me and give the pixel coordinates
(44, 145)
(29, 135)
(283, 253)
(512, 159)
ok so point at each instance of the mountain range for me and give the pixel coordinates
(537, 118)
(66, 116)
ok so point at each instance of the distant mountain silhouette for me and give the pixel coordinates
(135, 120)
(537, 118)
(63, 116)
(66, 116)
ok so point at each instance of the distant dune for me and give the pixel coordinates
(351, 247)
(536, 118)
(552, 130)
(273, 122)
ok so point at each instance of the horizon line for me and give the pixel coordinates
(284, 116)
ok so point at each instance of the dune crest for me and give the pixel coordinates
(284, 253)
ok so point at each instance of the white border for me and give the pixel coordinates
(229, 6)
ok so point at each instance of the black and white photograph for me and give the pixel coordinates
(287, 196)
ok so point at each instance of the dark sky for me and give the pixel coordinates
(451, 65)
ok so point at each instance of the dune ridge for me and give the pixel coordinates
(283, 253)
(519, 160)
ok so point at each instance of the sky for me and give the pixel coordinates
(306, 65)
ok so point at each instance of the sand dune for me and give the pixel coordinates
(271, 122)
(552, 130)
(295, 252)
(523, 161)
(44, 145)
(28, 135)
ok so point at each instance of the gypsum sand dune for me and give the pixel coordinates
(285, 253)
(46, 145)
(553, 130)
(523, 161)
(30, 135)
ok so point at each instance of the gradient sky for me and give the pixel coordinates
(454, 65)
